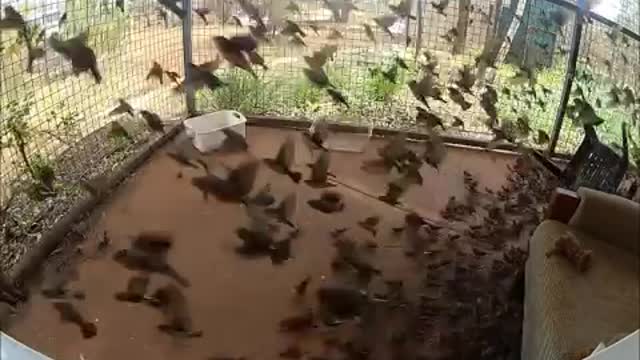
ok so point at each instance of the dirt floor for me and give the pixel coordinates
(237, 302)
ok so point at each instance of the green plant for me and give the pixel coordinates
(63, 124)
(306, 98)
(242, 93)
(537, 104)
(20, 135)
(383, 82)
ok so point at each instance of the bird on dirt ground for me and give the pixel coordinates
(173, 303)
(285, 159)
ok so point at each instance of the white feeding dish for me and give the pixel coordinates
(206, 130)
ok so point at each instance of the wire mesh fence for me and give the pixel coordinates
(520, 36)
(61, 126)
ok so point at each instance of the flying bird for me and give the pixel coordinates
(291, 29)
(337, 97)
(12, 19)
(156, 72)
(123, 107)
(202, 13)
(458, 98)
(234, 187)
(318, 77)
(82, 57)
(440, 6)
(234, 54)
(369, 32)
(172, 6)
(402, 9)
(285, 159)
(385, 22)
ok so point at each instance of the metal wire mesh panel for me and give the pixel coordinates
(61, 122)
(450, 35)
(606, 78)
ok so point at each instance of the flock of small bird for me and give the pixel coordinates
(271, 231)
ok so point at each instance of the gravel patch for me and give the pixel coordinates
(26, 220)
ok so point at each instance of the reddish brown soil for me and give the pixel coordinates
(237, 302)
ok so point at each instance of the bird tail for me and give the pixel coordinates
(96, 74)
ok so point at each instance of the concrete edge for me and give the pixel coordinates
(461, 141)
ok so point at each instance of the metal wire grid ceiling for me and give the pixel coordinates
(64, 119)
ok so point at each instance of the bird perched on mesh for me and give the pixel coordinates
(156, 72)
(153, 120)
(81, 56)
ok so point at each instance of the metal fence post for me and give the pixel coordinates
(574, 52)
(187, 53)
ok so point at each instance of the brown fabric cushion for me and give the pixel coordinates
(609, 218)
(567, 311)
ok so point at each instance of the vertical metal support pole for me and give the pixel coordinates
(420, 24)
(570, 75)
(187, 50)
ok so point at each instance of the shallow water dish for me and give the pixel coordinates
(206, 130)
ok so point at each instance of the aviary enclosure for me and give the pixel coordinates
(498, 74)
